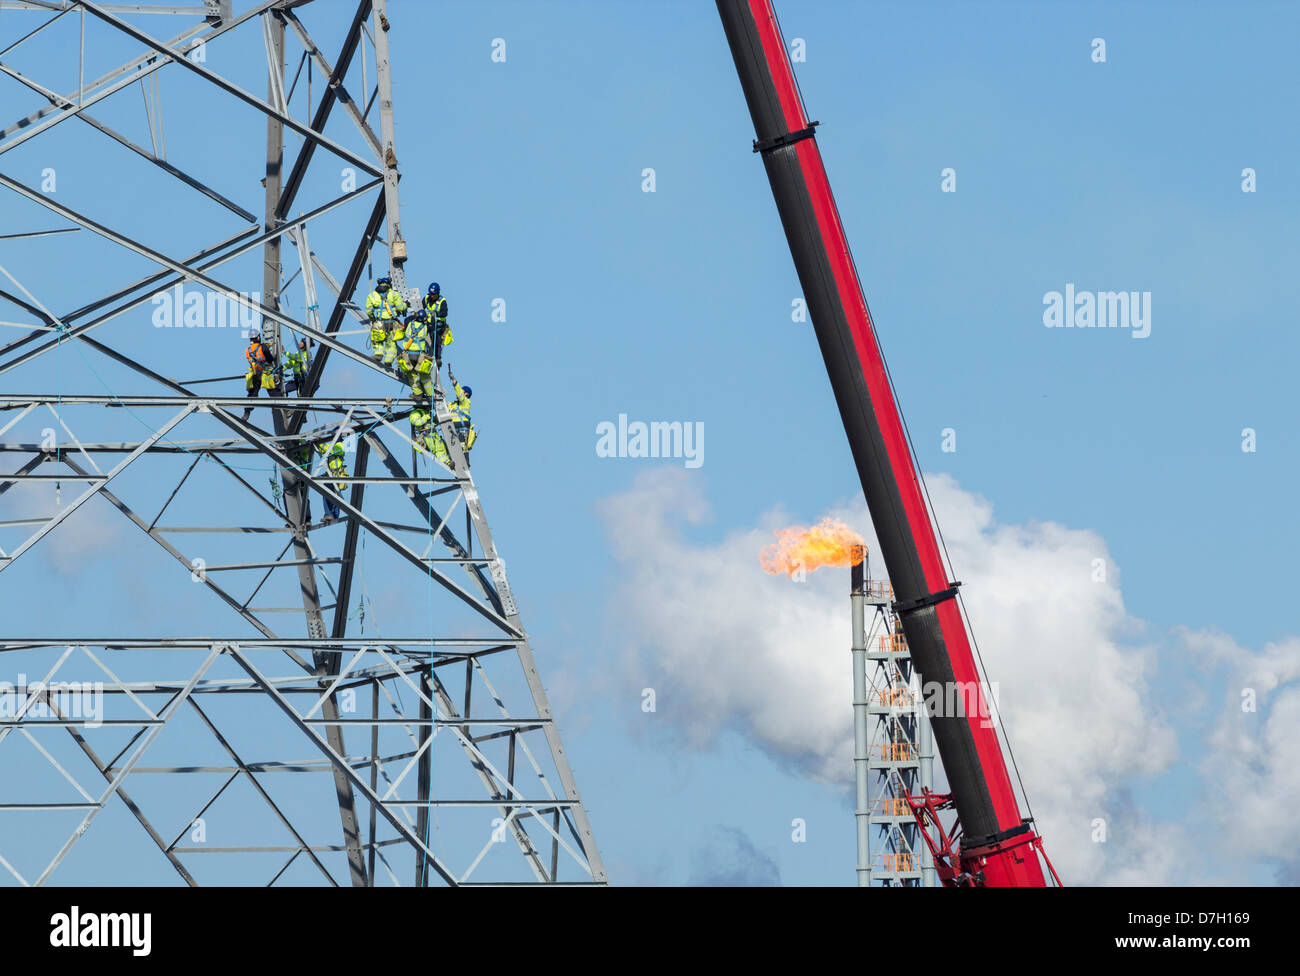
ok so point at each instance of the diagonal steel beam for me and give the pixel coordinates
(212, 252)
(33, 32)
(46, 118)
(270, 449)
(350, 281)
(243, 767)
(586, 837)
(198, 456)
(387, 131)
(229, 87)
(344, 595)
(427, 512)
(123, 771)
(94, 489)
(171, 10)
(193, 273)
(57, 100)
(29, 466)
(134, 808)
(341, 764)
(499, 786)
(182, 270)
(121, 292)
(28, 307)
(426, 694)
(267, 446)
(176, 554)
(334, 91)
(490, 784)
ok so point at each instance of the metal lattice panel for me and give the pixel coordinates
(293, 743)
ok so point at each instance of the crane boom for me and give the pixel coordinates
(997, 846)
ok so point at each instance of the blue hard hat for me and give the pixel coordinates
(434, 289)
(468, 391)
(385, 280)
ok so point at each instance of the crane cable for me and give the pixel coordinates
(911, 447)
(930, 505)
(934, 521)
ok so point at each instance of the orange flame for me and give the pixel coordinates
(828, 543)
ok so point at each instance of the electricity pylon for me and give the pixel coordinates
(406, 708)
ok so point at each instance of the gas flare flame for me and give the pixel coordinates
(828, 543)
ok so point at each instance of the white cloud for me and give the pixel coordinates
(721, 641)
(1252, 769)
(75, 543)
(728, 646)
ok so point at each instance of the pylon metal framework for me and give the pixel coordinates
(900, 751)
(236, 755)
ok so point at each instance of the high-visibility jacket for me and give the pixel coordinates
(437, 308)
(389, 305)
(298, 361)
(413, 359)
(459, 408)
(257, 356)
(336, 459)
(420, 419)
(415, 337)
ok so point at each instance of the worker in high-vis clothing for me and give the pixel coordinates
(426, 439)
(436, 306)
(459, 410)
(336, 459)
(414, 364)
(302, 457)
(421, 426)
(261, 369)
(298, 361)
(384, 309)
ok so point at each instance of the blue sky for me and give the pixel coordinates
(523, 180)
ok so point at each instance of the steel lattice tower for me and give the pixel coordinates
(235, 755)
(895, 748)
(901, 751)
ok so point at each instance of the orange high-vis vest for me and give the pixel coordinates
(256, 355)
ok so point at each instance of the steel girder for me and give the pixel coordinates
(444, 691)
